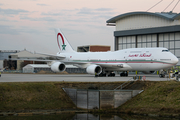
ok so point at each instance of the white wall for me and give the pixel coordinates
(143, 21)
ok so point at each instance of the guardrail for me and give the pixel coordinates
(135, 78)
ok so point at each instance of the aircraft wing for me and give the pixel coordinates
(41, 60)
(59, 57)
(53, 58)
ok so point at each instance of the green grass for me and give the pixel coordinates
(22, 96)
(42, 95)
(157, 97)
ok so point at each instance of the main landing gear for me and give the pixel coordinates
(102, 75)
(124, 74)
(111, 74)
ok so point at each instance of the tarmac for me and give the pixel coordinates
(74, 78)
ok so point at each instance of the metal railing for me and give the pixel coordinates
(135, 78)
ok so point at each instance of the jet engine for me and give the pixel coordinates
(148, 72)
(58, 67)
(94, 69)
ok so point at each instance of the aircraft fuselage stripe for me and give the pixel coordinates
(124, 62)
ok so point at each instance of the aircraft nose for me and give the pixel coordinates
(176, 60)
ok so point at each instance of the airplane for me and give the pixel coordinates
(146, 60)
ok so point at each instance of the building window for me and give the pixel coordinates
(171, 36)
(161, 38)
(139, 45)
(177, 36)
(149, 38)
(177, 52)
(166, 37)
(154, 38)
(143, 45)
(166, 45)
(128, 45)
(177, 44)
(134, 45)
(129, 39)
(172, 51)
(144, 37)
(124, 46)
(133, 39)
(139, 39)
(161, 44)
(171, 44)
(120, 47)
(154, 44)
(126, 42)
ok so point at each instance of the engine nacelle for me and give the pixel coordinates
(148, 72)
(94, 69)
(58, 67)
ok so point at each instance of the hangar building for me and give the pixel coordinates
(4, 55)
(146, 29)
(24, 54)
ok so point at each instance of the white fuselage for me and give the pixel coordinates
(141, 59)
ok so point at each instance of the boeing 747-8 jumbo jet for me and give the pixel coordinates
(146, 60)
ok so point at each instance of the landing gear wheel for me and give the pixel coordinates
(123, 74)
(162, 75)
(111, 75)
(102, 75)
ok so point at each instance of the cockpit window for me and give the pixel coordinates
(165, 50)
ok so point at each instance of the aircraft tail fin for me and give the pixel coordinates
(62, 42)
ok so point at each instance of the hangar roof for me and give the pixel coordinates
(165, 15)
(26, 54)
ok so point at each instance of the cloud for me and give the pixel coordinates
(80, 15)
(4, 19)
(104, 9)
(82, 11)
(86, 11)
(10, 30)
(97, 11)
(42, 4)
(12, 11)
(5, 29)
(29, 30)
(52, 14)
(38, 19)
